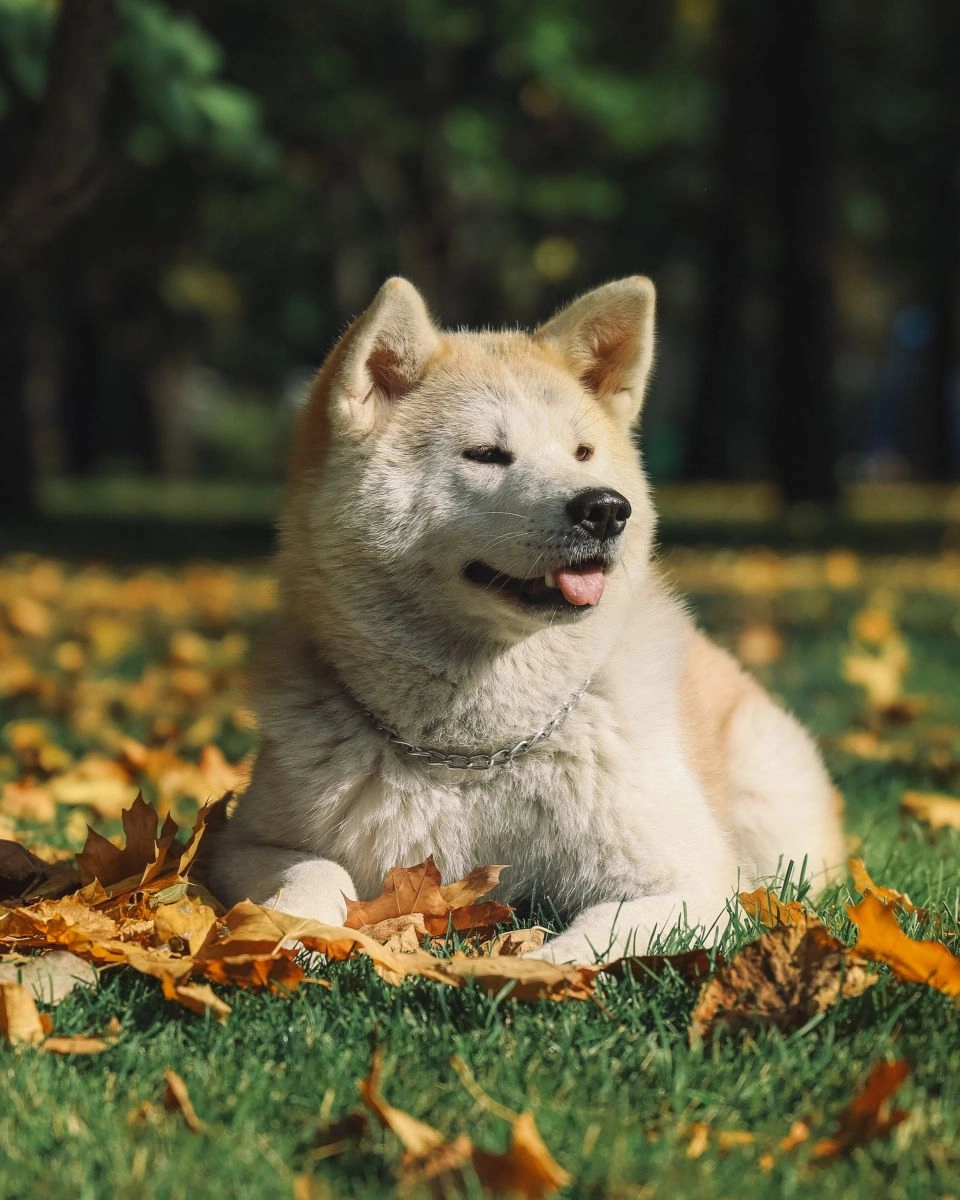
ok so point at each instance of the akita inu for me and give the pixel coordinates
(476, 658)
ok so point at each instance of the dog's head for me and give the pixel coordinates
(483, 483)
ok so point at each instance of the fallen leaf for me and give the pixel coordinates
(20, 1022)
(767, 907)
(935, 809)
(27, 801)
(198, 997)
(869, 1116)
(865, 885)
(525, 1169)
(690, 965)
(881, 674)
(879, 937)
(144, 852)
(418, 889)
(782, 979)
(517, 942)
(24, 875)
(177, 1099)
(403, 935)
(77, 1045)
(50, 977)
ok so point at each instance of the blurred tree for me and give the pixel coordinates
(111, 94)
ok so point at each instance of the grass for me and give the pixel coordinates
(614, 1086)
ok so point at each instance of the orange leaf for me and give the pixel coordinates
(881, 938)
(408, 890)
(894, 899)
(526, 1169)
(177, 1099)
(767, 907)
(869, 1116)
(20, 1022)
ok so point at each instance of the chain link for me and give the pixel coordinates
(480, 760)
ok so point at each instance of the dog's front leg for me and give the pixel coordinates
(291, 881)
(612, 930)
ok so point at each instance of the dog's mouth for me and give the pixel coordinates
(575, 587)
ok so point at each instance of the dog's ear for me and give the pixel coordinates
(606, 338)
(382, 356)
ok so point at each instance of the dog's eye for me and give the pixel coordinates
(489, 454)
(583, 453)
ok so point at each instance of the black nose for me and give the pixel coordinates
(602, 512)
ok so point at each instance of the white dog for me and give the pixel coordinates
(475, 657)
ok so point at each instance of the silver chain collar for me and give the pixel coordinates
(480, 760)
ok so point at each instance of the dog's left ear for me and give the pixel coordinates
(606, 338)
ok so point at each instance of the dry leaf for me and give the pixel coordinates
(782, 979)
(869, 1116)
(26, 876)
(935, 809)
(880, 937)
(144, 852)
(864, 884)
(517, 942)
(77, 1045)
(177, 1099)
(20, 1022)
(50, 977)
(403, 935)
(526, 1169)
(198, 997)
(690, 965)
(418, 890)
(767, 907)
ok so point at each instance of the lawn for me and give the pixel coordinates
(139, 671)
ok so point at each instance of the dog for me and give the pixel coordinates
(476, 655)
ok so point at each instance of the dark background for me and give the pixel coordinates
(197, 196)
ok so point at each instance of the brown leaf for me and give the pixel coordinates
(767, 907)
(526, 1169)
(403, 935)
(527, 978)
(517, 942)
(690, 965)
(143, 855)
(869, 1116)
(935, 809)
(177, 1099)
(198, 997)
(782, 979)
(894, 899)
(417, 889)
(25, 876)
(20, 1022)
(879, 937)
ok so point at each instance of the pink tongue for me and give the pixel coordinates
(584, 586)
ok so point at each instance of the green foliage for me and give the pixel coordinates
(25, 28)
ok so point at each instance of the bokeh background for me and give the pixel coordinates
(197, 197)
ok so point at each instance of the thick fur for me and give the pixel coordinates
(675, 778)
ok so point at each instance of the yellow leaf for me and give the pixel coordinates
(881, 938)
(935, 809)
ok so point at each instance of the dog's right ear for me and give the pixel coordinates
(381, 357)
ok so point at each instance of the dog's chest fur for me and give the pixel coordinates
(350, 794)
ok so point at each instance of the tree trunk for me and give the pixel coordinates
(708, 448)
(801, 427)
(16, 446)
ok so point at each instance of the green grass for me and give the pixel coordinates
(614, 1086)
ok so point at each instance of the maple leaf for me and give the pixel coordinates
(525, 1169)
(879, 937)
(177, 1099)
(767, 907)
(418, 889)
(143, 855)
(24, 875)
(890, 896)
(782, 979)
